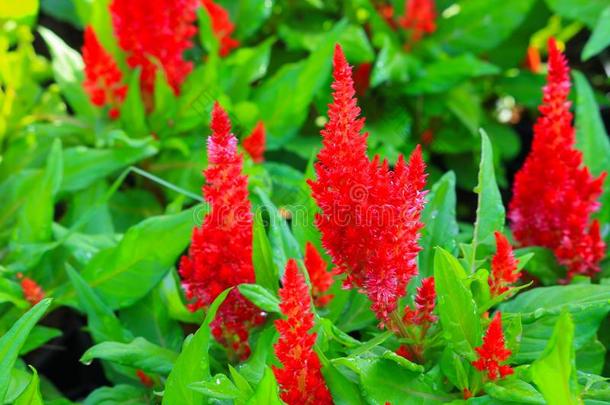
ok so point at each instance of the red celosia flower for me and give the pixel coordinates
(532, 59)
(427, 136)
(221, 26)
(32, 292)
(370, 215)
(144, 378)
(321, 279)
(424, 305)
(362, 78)
(254, 143)
(554, 194)
(155, 33)
(419, 18)
(386, 11)
(503, 267)
(103, 79)
(300, 378)
(220, 255)
(493, 351)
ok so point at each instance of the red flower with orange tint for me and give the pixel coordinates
(220, 255)
(221, 26)
(532, 59)
(419, 18)
(321, 279)
(424, 305)
(503, 267)
(493, 351)
(554, 194)
(300, 378)
(370, 215)
(103, 79)
(155, 33)
(32, 292)
(254, 143)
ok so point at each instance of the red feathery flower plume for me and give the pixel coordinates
(419, 18)
(254, 143)
(503, 266)
(155, 33)
(220, 255)
(300, 379)
(221, 26)
(493, 351)
(370, 215)
(103, 79)
(321, 279)
(32, 292)
(424, 305)
(554, 194)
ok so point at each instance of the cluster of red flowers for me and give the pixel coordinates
(103, 79)
(555, 212)
(424, 305)
(300, 379)
(155, 33)
(220, 255)
(32, 292)
(493, 351)
(370, 215)
(221, 26)
(503, 267)
(321, 279)
(254, 143)
(419, 18)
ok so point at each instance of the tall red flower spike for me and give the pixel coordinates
(503, 266)
(220, 255)
(321, 279)
(493, 351)
(103, 79)
(300, 378)
(254, 143)
(554, 194)
(370, 215)
(221, 26)
(419, 18)
(424, 305)
(32, 292)
(155, 33)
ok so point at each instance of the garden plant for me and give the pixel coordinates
(304, 202)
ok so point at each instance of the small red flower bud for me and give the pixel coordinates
(419, 18)
(493, 351)
(254, 143)
(32, 292)
(221, 26)
(321, 279)
(503, 267)
(145, 378)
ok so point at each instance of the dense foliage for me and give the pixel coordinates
(303, 202)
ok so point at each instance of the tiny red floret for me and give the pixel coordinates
(254, 143)
(554, 194)
(145, 378)
(300, 379)
(221, 26)
(321, 279)
(370, 215)
(32, 292)
(503, 266)
(103, 79)
(493, 351)
(220, 255)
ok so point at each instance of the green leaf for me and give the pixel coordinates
(478, 26)
(38, 336)
(591, 137)
(253, 369)
(267, 391)
(456, 307)
(440, 223)
(262, 256)
(344, 391)
(68, 70)
(102, 322)
(600, 37)
(13, 340)
(490, 211)
(251, 15)
(23, 12)
(139, 353)
(554, 373)
(118, 395)
(514, 390)
(218, 386)
(193, 363)
(133, 112)
(261, 297)
(31, 395)
(586, 11)
(125, 273)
